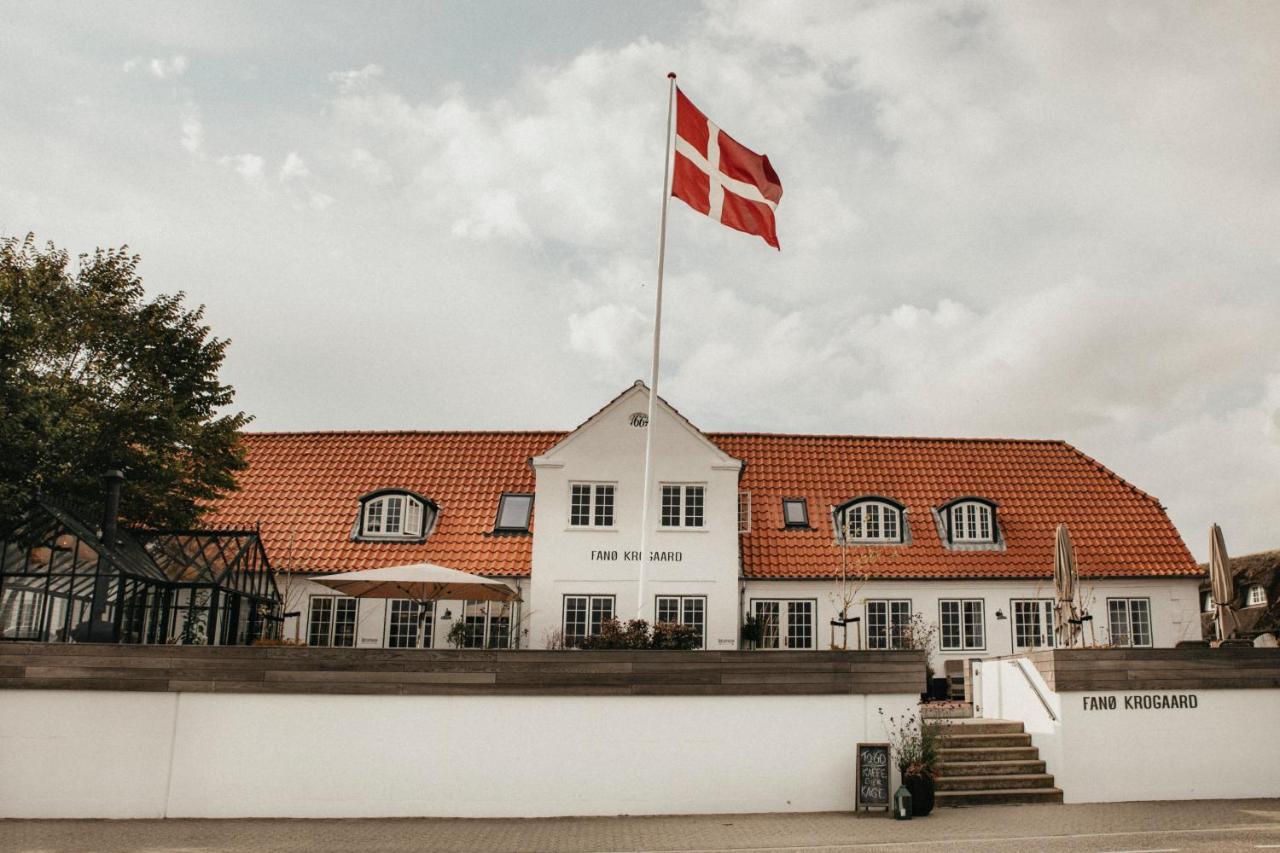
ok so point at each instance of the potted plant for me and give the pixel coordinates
(915, 746)
(752, 632)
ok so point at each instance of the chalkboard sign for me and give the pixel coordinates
(872, 777)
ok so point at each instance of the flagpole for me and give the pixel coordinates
(651, 425)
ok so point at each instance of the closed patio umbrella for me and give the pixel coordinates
(1222, 583)
(1064, 582)
(421, 582)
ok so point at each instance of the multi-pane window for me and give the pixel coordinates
(1255, 596)
(961, 624)
(583, 615)
(887, 619)
(403, 620)
(1129, 621)
(513, 513)
(685, 610)
(872, 521)
(591, 505)
(392, 516)
(332, 621)
(744, 512)
(1032, 623)
(683, 506)
(795, 512)
(971, 522)
(487, 624)
(785, 624)
(1206, 602)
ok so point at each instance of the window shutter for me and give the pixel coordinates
(412, 517)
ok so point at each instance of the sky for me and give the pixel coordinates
(999, 219)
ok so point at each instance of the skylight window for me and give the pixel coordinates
(795, 512)
(514, 512)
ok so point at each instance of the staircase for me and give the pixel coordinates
(984, 762)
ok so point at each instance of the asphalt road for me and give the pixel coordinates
(1218, 825)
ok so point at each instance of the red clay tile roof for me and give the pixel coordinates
(303, 489)
(1117, 529)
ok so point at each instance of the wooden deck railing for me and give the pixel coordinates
(1157, 669)
(267, 669)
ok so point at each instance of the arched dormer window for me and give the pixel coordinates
(970, 521)
(871, 520)
(394, 515)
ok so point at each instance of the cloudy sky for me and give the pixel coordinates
(1002, 219)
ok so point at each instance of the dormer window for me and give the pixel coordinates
(394, 515)
(970, 521)
(514, 512)
(870, 521)
(1255, 595)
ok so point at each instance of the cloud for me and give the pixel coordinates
(356, 79)
(293, 168)
(160, 67)
(192, 131)
(248, 166)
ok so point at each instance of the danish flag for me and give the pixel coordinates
(717, 175)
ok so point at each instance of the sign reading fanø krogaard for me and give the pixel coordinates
(634, 556)
(1149, 702)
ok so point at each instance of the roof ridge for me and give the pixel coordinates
(310, 432)
(868, 437)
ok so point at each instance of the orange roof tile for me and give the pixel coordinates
(303, 489)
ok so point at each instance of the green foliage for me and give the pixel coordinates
(457, 636)
(635, 634)
(914, 744)
(94, 376)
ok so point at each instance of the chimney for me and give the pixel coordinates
(111, 507)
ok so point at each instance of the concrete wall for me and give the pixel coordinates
(1101, 749)
(67, 753)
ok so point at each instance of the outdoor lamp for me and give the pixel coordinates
(902, 803)
(1000, 615)
(448, 614)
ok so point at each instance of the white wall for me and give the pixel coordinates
(609, 449)
(1174, 606)
(103, 754)
(1223, 748)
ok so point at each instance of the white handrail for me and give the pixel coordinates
(1035, 688)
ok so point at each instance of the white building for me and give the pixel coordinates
(959, 531)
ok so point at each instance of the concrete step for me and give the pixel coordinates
(981, 741)
(995, 783)
(989, 768)
(998, 797)
(980, 727)
(948, 755)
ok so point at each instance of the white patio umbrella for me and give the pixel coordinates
(1222, 583)
(1064, 582)
(421, 582)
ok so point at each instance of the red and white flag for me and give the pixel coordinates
(718, 176)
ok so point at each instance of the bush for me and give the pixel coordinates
(635, 634)
(675, 636)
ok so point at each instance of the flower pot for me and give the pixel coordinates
(921, 788)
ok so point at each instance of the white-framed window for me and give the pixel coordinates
(683, 505)
(872, 521)
(961, 624)
(1206, 602)
(795, 512)
(785, 623)
(1129, 621)
(583, 615)
(684, 610)
(487, 624)
(332, 621)
(744, 512)
(1032, 623)
(1255, 595)
(591, 504)
(402, 623)
(971, 521)
(395, 515)
(19, 617)
(514, 512)
(887, 618)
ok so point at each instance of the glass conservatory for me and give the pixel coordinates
(61, 581)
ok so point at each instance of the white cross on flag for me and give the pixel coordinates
(716, 175)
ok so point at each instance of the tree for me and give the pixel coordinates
(93, 376)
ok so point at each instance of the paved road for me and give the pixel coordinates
(1217, 825)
